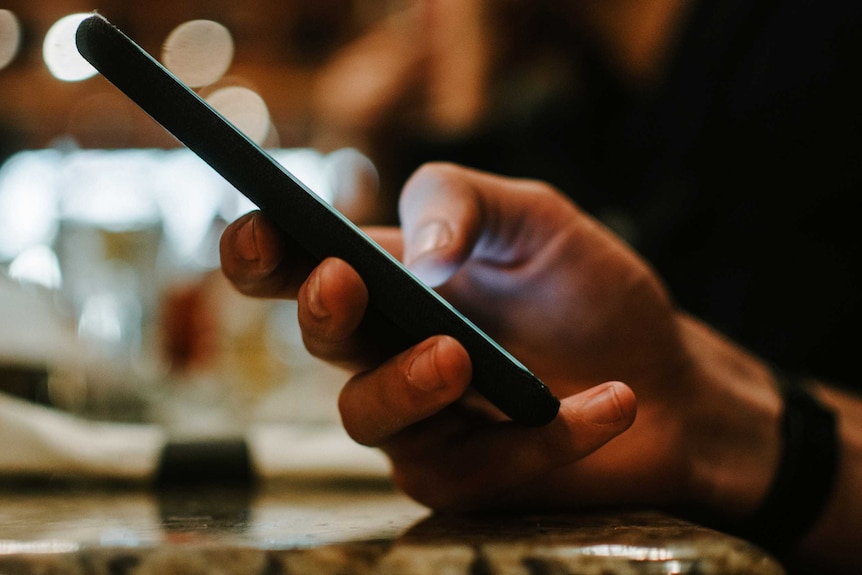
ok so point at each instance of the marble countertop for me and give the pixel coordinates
(337, 528)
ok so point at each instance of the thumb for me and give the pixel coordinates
(440, 219)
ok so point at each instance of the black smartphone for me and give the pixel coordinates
(409, 310)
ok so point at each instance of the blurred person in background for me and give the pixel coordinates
(707, 260)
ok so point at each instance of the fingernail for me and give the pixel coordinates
(422, 371)
(604, 407)
(429, 238)
(315, 303)
(246, 244)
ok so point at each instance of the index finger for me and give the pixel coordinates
(261, 261)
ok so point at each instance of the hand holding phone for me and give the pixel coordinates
(400, 305)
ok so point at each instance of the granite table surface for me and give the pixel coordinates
(337, 528)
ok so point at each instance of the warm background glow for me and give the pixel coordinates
(272, 47)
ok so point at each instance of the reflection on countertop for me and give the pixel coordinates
(338, 527)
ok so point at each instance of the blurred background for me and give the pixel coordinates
(277, 47)
(111, 303)
(377, 75)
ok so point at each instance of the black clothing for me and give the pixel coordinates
(739, 178)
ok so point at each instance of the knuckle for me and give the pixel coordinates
(358, 423)
(431, 175)
(437, 170)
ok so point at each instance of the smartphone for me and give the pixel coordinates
(403, 310)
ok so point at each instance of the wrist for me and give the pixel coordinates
(733, 426)
(806, 473)
(834, 540)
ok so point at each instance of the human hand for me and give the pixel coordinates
(560, 292)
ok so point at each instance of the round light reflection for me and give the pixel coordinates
(61, 53)
(244, 108)
(10, 37)
(198, 52)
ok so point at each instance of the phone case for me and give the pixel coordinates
(403, 310)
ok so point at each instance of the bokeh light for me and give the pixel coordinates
(198, 52)
(110, 189)
(10, 37)
(28, 201)
(36, 265)
(61, 53)
(244, 108)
